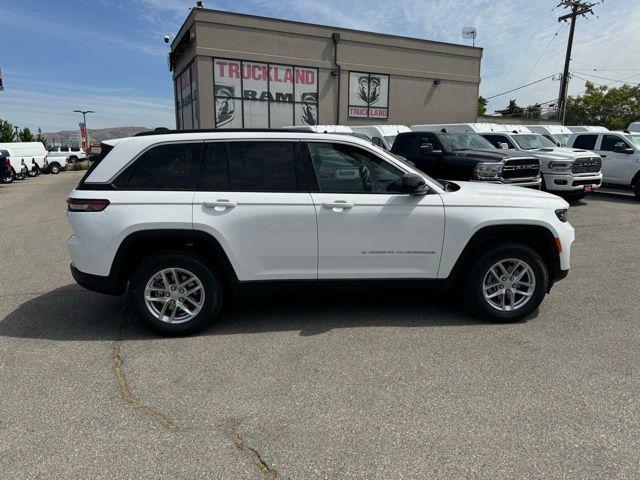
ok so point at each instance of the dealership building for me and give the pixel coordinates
(242, 71)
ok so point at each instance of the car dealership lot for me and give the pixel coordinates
(385, 385)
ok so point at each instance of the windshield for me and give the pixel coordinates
(529, 142)
(463, 141)
(563, 138)
(635, 139)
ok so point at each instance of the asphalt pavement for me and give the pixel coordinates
(397, 384)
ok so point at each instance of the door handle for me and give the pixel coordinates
(338, 205)
(220, 205)
(603, 156)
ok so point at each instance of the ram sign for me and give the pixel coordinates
(264, 95)
(368, 95)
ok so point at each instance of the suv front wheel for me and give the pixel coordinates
(506, 284)
(175, 293)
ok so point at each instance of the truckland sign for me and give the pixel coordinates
(264, 95)
(368, 95)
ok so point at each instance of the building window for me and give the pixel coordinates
(264, 95)
(186, 87)
(368, 95)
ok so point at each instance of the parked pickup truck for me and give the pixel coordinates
(466, 156)
(620, 152)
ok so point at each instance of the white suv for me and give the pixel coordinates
(185, 219)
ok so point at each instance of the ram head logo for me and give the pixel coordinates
(309, 113)
(369, 89)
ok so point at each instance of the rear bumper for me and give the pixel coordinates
(96, 283)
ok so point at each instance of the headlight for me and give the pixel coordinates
(559, 166)
(562, 214)
(485, 171)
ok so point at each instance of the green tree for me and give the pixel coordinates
(512, 110)
(25, 135)
(482, 105)
(613, 108)
(41, 138)
(6, 131)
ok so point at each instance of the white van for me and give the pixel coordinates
(381, 135)
(587, 128)
(31, 156)
(634, 127)
(558, 134)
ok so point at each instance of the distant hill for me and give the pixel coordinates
(96, 135)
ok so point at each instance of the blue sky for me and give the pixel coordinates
(108, 55)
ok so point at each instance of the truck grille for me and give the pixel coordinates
(587, 165)
(521, 168)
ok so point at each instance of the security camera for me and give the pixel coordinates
(167, 39)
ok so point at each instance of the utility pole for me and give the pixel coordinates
(577, 7)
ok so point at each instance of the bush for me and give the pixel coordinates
(74, 167)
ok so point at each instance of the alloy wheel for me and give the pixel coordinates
(174, 295)
(509, 284)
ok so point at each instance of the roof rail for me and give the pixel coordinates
(166, 131)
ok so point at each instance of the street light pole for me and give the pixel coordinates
(84, 120)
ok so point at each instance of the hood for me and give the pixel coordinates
(479, 194)
(561, 153)
(493, 154)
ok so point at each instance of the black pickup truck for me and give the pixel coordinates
(467, 156)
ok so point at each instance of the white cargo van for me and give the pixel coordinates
(381, 135)
(31, 156)
(587, 128)
(558, 134)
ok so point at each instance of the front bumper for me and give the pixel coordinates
(567, 182)
(517, 182)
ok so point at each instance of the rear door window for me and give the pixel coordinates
(172, 167)
(262, 166)
(588, 142)
(214, 174)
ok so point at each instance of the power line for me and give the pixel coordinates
(519, 88)
(555, 35)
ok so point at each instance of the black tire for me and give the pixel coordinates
(33, 172)
(479, 267)
(54, 168)
(72, 159)
(18, 176)
(8, 178)
(636, 188)
(211, 285)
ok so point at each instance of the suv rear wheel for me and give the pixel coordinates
(506, 284)
(54, 168)
(175, 293)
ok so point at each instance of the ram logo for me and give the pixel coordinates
(225, 104)
(531, 166)
(369, 89)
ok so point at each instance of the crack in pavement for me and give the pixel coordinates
(161, 419)
(122, 381)
(270, 473)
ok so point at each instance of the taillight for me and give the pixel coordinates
(86, 205)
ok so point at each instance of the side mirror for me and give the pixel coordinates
(503, 146)
(378, 141)
(621, 147)
(414, 184)
(427, 149)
